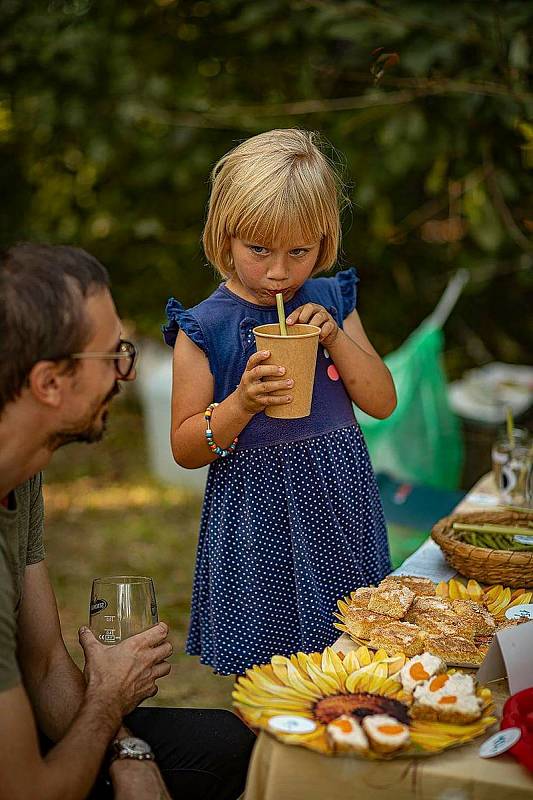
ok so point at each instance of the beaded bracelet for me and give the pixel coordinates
(213, 446)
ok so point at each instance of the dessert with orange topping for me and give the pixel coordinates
(346, 734)
(447, 698)
(386, 734)
(419, 669)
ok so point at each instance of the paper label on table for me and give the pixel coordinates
(509, 655)
(500, 742)
(427, 562)
(523, 611)
(286, 723)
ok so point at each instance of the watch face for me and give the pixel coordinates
(134, 747)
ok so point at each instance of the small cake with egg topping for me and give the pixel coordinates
(457, 683)
(346, 734)
(420, 669)
(452, 700)
(385, 734)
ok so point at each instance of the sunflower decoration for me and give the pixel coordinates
(497, 598)
(331, 703)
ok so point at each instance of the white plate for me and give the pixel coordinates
(286, 723)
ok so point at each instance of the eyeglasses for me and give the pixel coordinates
(124, 358)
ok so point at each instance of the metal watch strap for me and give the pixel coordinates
(122, 755)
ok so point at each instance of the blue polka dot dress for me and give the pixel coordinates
(292, 520)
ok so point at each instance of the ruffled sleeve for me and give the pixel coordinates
(179, 318)
(347, 281)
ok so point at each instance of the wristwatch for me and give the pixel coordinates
(131, 747)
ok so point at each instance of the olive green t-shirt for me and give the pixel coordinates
(21, 543)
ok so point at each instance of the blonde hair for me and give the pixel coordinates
(276, 187)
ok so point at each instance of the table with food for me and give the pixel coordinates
(394, 708)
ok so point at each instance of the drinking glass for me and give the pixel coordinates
(121, 606)
(512, 468)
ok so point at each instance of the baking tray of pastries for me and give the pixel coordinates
(451, 620)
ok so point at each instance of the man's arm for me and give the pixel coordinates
(70, 769)
(55, 685)
(65, 708)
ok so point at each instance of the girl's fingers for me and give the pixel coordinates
(276, 400)
(256, 358)
(266, 370)
(274, 386)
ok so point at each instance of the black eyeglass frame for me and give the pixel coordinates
(127, 351)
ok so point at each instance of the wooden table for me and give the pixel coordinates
(283, 772)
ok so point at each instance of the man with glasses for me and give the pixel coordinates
(62, 360)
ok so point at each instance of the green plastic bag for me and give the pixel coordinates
(421, 441)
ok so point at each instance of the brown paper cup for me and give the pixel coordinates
(297, 353)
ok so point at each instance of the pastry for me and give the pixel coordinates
(443, 623)
(385, 734)
(361, 622)
(424, 605)
(475, 615)
(398, 637)
(346, 734)
(361, 596)
(422, 587)
(453, 649)
(392, 601)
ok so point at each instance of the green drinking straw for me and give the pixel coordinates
(510, 427)
(281, 314)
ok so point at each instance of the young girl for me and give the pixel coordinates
(292, 519)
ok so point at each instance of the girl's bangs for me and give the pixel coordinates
(280, 224)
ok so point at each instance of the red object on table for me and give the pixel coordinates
(518, 713)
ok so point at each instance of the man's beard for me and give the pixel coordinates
(90, 429)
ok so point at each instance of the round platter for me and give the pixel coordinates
(320, 687)
(497, 600)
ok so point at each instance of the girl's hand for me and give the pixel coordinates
(255, 389)
(313, 314)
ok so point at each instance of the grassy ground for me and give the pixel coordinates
(106, 515)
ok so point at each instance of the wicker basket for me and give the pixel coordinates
(510, 567)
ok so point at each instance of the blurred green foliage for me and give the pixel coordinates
(112, 115)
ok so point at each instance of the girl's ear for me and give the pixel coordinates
(47, 382)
